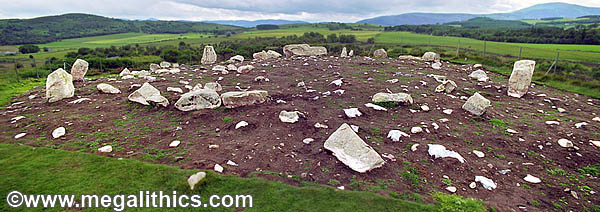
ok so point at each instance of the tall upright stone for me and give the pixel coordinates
(209, 56)
(380, 53)
(80, 67)
(344, 53)
(520, 79)
(59, 85)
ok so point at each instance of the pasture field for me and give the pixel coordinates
(117, 40)
(577, 53)
(361, 35)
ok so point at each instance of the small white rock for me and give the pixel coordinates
(595, 143)
(425, 108)
(218, 168)
(511, 131)
(352, 112)
(552, 123)
(195, 179)
(473, 185)
(241, 124)
(561, 110)
(532, 179)
(20, 135)
(416, 130)
(231, 163)
(451, 189)
(448, 111)
(414, 147)
(565, 143)
(308, 140)
(105, 149)
(478, 153)
(174, 143)
(58, 132)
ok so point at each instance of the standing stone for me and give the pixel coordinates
(431, 56)
(125, 72)
(208, 56)
(273, 54)
(195, 179)
(165, 64)
(476, 104)
(262, 55)
(392, 97)
(519, 81)
(59, 85)
(154, 67)
(349, 148)
(80, 67)
(106, 88)
(351, 53)
(380, 53)
(303, 50)
(198, 100)
(148, 93)
(344, 53)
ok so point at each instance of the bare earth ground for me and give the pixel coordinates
(272, 149)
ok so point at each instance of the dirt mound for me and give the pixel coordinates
(269, 148)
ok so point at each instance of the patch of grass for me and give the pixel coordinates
(47, 171)
(557, 171)
(333, 182)
(227, 119)
(593, 170)
(447, 182)
(498, 123)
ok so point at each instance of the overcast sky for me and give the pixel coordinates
(306, 10)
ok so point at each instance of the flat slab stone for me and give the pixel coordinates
(351, 150)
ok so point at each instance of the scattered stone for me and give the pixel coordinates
(261, 79)
(241, 124)
(308, 140)
(245, 69)
(175, 143)
(439, 151)
(77, 101)
(218, 168)
(408, 57)
(125, 72)
(396, 134)
(479, 75)
(375, 107)
(172, 89)
(352, 112)
(219, 68)
(451, 189)
(511, 131)
(595, 143)
(416, 130)
(351, 150)
(20, 135)
(244, 98)
(262, 55)
(596, 119)
(15, 119)
(478, 153)
(153, 67)
(532, 179)
(414, 147)
(447, 86)
(303, 50)
(431, 56)
(289, 117)
(505, 171)
(148, 93)
(59, 85)
(58, 132)
(208, 56)
(565, 143)
(581, 124)
(392, 97)
(519, 81)
(424, 108)
(237, 58)
(473, 185)
(215, 86)
(195, 179)
(477, 104)
(231, 163)
(485, 182)
(273, 54)
(165, 64)
(198, 100)
(106, 88)
(337, 82)
(381, 53)
(79, 69)
(231, 67)
(561, 110)
(436, 66)
(319, 125)
(105, 149)
(552, 123)
(447, 111)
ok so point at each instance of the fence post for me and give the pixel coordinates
(556, 61)
(458, 47)
(16, 69)
(484, 46)
(520, 51)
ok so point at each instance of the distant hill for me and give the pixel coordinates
(485, 22)
(243, 23)
(52, 28)
(534, 12)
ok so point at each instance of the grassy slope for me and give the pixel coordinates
(48, 171)
(546, 51)
(360, 35)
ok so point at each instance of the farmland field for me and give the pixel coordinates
(360, 35)
(583, 53)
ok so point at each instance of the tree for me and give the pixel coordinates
(29, 48)
(371, 40)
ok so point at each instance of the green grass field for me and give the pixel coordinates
(580, 53)
(42, 170)
(360, 35)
